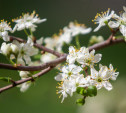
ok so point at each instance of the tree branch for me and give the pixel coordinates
(25, 80)
(48, 66)
(34, 68)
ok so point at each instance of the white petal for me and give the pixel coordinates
(124, 8)
(94, 73)
(27, 59)
(97, 28)
(114, 75)
(58, 77)
(104, 73)
(107, 85)
(97, 58)
(113, 24)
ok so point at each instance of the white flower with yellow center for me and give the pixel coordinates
(101, 78)
(113, 72)
(87, 58)
(102, 19)
(120, 21)
(68, 72)
(27, 21)
(25, 51)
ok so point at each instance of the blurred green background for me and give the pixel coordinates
(41, 97)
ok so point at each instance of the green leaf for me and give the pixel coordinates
(5, 79)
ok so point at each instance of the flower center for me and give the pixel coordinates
(99, 79)
(69, 73)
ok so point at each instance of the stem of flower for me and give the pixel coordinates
(26, 32)
(31, 32)
(77, 42)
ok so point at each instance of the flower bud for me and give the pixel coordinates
(92, 91)
(14, 48)
(80, 101)
(5, 49)
(24, 74)
(81, 91)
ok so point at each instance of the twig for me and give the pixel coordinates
(38, 46)
(25, 80)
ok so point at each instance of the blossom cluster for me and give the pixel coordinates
(74, 74)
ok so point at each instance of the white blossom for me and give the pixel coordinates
(101, 19)
(71, 58)
(88, 58)
(68, 71)
(120, 22)
(47, 57)
(5, 49)
(77, 29)
(24, 87)
(25, 51)
(64, 90)
(83, 56)
(27, 21)
(14, 48)
(4, 28)
(101, 78)
(24, 74)
(114, 74)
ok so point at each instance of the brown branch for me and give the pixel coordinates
(25, 80)
(34, 68)
(105, 43)
(38, 46)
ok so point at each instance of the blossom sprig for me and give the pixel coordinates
(79, 74)
(120, 22)
(73, 77)
(112, 20)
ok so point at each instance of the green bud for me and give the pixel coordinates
(85, 93)
(80, 101)
(80, 90)
(92, 91)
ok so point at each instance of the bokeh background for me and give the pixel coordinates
(41, 97)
